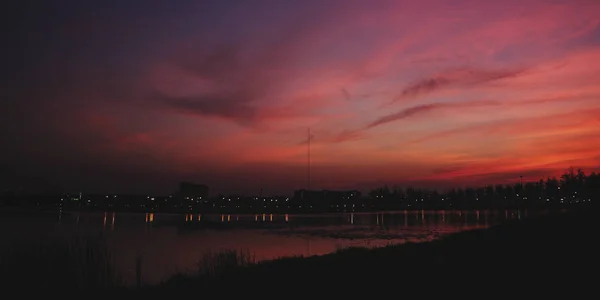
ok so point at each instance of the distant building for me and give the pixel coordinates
(188, 189)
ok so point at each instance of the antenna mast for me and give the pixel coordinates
(308, 159)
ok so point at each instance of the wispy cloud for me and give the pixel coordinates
(326, 137)
(405, 113)
(425, 108)
(557, 123)
(234, 107)
(216, 84)
(222, 85)
(346, 94)
(463, 77)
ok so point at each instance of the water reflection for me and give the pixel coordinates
(189, 217)
(153, 234)
(451, 220)
(112, 223)
(149, 217)
(382, 220)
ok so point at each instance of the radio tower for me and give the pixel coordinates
(308, 161)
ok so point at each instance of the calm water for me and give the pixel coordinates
(171, 243)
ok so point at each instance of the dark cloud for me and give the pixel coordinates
(455, 77)
(508, 102)
(242, 106)
(238, 86)
(242, 78)
(346, 94)
(420, 109)
(424, 86)
(235, 107)
(248, 75)
(404, 114)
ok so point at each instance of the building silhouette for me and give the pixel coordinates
(193, 190)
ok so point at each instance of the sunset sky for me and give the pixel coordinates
(135, 96)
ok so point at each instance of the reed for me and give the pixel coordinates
(215, 263)
(59, 263)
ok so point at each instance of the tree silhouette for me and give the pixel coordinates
(570, 189)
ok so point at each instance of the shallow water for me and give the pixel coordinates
(171, 243)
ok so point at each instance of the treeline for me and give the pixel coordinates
(569, 190)
(572, 188)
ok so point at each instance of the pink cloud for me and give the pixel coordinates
(483, 89)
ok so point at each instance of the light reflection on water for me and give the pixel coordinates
(171, 243)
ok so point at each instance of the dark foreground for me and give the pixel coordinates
(539, 256)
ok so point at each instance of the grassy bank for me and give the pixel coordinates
(539, 254)
(64, 263)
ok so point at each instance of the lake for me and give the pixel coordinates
(171, 243)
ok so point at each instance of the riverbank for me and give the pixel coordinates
(538, 254)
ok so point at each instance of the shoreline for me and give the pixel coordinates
(18, 209)
(535, 250)
(555, 249)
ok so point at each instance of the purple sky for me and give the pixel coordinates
(134, 96)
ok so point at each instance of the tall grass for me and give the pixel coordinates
(74, 262)
(215, 263)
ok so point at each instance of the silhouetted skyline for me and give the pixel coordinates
(572, 189)
(136, 96)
